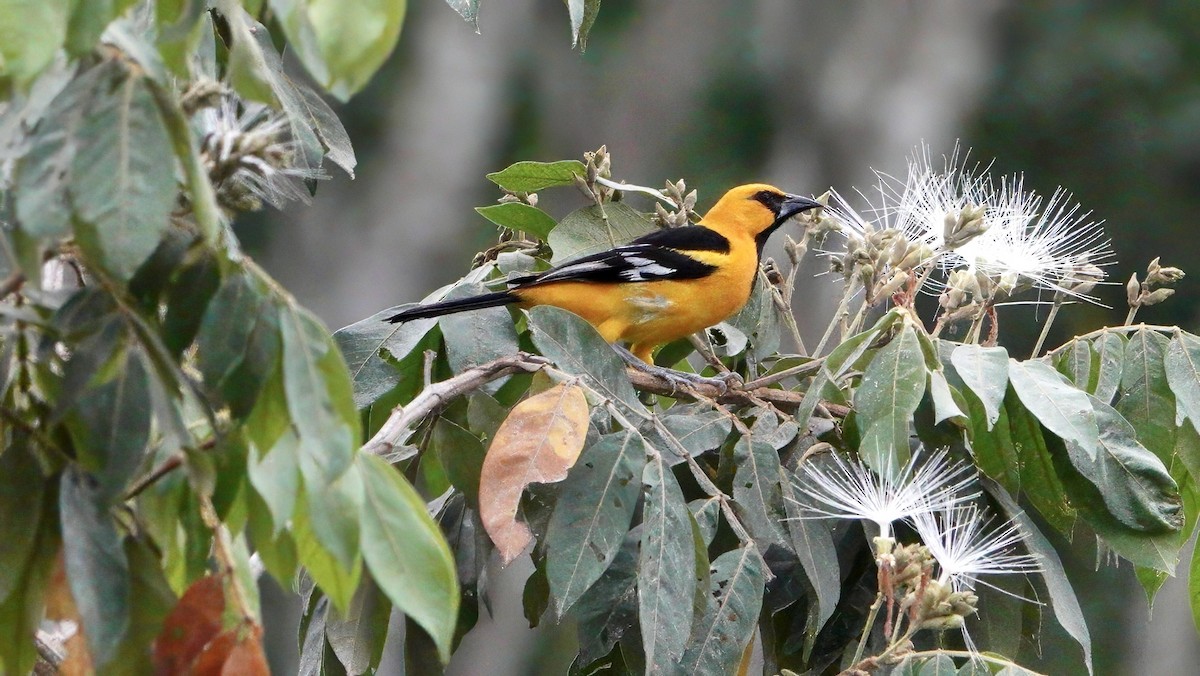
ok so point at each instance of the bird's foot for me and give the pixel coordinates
(680, 379)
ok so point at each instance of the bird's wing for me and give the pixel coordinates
(659, 255)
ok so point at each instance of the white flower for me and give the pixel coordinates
(1056, 248)
(252, 151)
(849, 490)
(1019, 239)
(966, 545)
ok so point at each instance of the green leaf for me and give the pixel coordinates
(302, 103)
(994, 451)
(1182, 363)
(110, 426)
(336, 581)
(697, 427)
(665, 584)
(21, 490)
(318, 390)
(591, 230)
(123, 176)
(247, 67)
(179, 30)
(892, 386)
(406, 553)
(1111, 347)
(838, 362)
(188, 296)
(461, 454)
(1080, 364)
(477, 337)
(721, 635)
(154, 600)
(341, 45)
(88, 21)
(1135, 485)
(813, 544)
(1055, 402)
(319, 402)
(707, 513)
(317, 657)
(592, 514)
(1194, 586)
(573, 344)
(373, 347)
(1038, 479)
(583, 15)
(1062, 596)
(757, 489)
(519, 216)
(944, 405)
(44, 174)
(238, 343)
(985, 372)
(611, 606)
(357, 637)
(97, 569)
(22, 611)
(1157, 550)
(31, 33)
(1146, 398)
(468, 9)
(534, 176)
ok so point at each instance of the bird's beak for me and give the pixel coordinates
(795, 204)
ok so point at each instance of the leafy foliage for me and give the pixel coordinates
(168, 410)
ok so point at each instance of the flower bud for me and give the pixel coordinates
(1083, 279)
(1157, 296)
(1133, 290)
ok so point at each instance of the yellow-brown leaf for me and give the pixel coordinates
(538, 442)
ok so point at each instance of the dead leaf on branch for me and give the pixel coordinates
(537, 443)
(190, 626)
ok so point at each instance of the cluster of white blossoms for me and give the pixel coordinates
(939, 499)
(996, 228)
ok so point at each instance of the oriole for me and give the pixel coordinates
(662, 286)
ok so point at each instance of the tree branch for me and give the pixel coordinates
(11, 284)
(784, 399)
(395, 429)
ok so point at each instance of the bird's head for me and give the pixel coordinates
(755, 210)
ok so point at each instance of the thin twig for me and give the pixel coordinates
(1037, 348)
(11, 284)
(799, 371)
(784, 399)
(223, 551)
(838, 317)
(169, 465)
(50, 652)
(396, 428)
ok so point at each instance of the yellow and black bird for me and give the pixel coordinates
(662, 286)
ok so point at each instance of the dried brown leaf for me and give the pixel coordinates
(194, 621)
(537, 443)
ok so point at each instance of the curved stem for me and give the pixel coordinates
(866, 632)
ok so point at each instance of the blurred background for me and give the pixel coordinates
(1101, 98)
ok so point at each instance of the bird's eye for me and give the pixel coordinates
(769, 199)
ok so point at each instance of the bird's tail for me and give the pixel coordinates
(452, 306)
